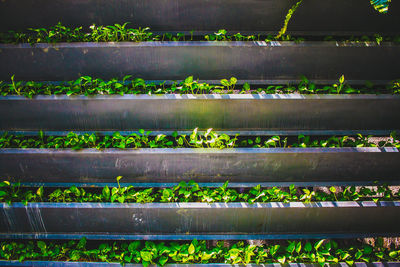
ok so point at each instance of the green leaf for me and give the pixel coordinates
(308, 247)
(298, 247)
(39, 192)
(106, 192)
(341, 79)
(41, 245)
(191, 249)
(133, 246)
(189, 79)
(121, 199)
(146, 256)
(282, 259)
(319, 244)
(5, 183)
(82, 243)
(225, 82)
(162, 260)
(75, 255)
(291, 247)
(381, 6)
(246, 86)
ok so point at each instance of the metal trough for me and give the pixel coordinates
(266, 166)
(199, 220)
(249, 61)
(249, 114)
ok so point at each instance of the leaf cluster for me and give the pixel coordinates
(60, 33)
(208, 139)
(192, 192)
(87, 85)
(160, 253)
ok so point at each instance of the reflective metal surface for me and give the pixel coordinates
(247, 114)
(179, 220)
(285, 61)
(242, 165)
(313, 17)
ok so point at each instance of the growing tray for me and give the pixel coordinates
(251, 114)
(255, 62)
(199, 220)
(356, 16)
(89, 264)
(266, 166)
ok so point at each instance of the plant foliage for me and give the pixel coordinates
(192, 192)
(160, 253)
(87, 85)
(381, 6)
(207, 139)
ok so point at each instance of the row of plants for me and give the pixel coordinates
(122, 33)
(160, 253)
(192, 192)
(87, 85)
(208, 139)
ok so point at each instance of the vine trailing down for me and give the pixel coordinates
(381, 5)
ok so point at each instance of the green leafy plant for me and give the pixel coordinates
(161, 253)
(207, 139)
(381, 6)
(340, 85)
(192, 192)
(87, 85)
(122, 33)
(289, 15)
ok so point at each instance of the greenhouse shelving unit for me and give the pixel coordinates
(255, 62)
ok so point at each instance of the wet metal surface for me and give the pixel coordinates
(244, 113)
(242, 165)
(294, 219)
(262, 61)
(356, 16)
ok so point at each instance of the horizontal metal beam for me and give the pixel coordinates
(180, 220)
(333, 16)
(249, 114)
(243, 165)
(89, 264)
(283, 61)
